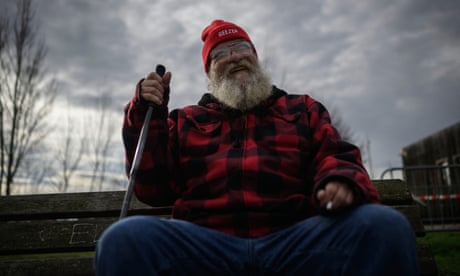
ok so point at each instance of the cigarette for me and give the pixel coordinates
(329, 205)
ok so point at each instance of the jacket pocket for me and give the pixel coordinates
(200, 139)
(286, 117)
(208, 128)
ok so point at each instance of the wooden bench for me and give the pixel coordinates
(55, 234)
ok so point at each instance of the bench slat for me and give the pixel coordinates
(42, 236)
(393, 192)
(71, 205)
(76, 266)
(100, 204)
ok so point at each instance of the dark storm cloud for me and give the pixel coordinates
(88, 45)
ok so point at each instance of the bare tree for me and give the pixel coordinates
(36, 172)
(100, 143)
(3, 39)
(26, 97)
(69, 155)
(349, 135)
(338, 122)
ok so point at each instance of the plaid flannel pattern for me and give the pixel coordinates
(246, 174)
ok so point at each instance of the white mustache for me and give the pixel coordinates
(242, 64)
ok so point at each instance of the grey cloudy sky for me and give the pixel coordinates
(390, 68)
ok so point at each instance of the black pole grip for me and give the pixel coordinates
(160, 70)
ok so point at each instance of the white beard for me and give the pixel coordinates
(241, 95)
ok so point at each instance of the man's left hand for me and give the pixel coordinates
(335, 195)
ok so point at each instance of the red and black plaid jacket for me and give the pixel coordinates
(246, 174)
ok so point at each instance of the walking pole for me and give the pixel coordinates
(160, 70)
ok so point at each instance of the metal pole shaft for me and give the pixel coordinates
(137, 160)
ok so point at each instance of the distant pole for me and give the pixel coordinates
(369, 153)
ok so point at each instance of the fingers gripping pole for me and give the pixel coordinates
(160, 70)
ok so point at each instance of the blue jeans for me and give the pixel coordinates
(368, 240)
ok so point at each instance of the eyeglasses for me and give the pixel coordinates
(241, 47)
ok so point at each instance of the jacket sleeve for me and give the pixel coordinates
(336, 159)
(153, 178)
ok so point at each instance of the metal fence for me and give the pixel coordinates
(437, 190)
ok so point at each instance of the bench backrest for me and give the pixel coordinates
(72, 222)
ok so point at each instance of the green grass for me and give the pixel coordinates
(446, 251)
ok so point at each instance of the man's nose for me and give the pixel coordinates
(235, 55)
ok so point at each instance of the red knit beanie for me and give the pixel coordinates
(219, 31)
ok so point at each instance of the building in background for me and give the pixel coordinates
(431, 169)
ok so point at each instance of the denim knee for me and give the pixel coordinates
(384, 219)
(387, 242)
(112, 235)
(119, 231)
(122, 246)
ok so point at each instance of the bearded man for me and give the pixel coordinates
(260, 182)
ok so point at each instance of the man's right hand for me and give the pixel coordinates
(153, 87)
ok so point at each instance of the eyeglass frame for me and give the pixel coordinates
(227, 50)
